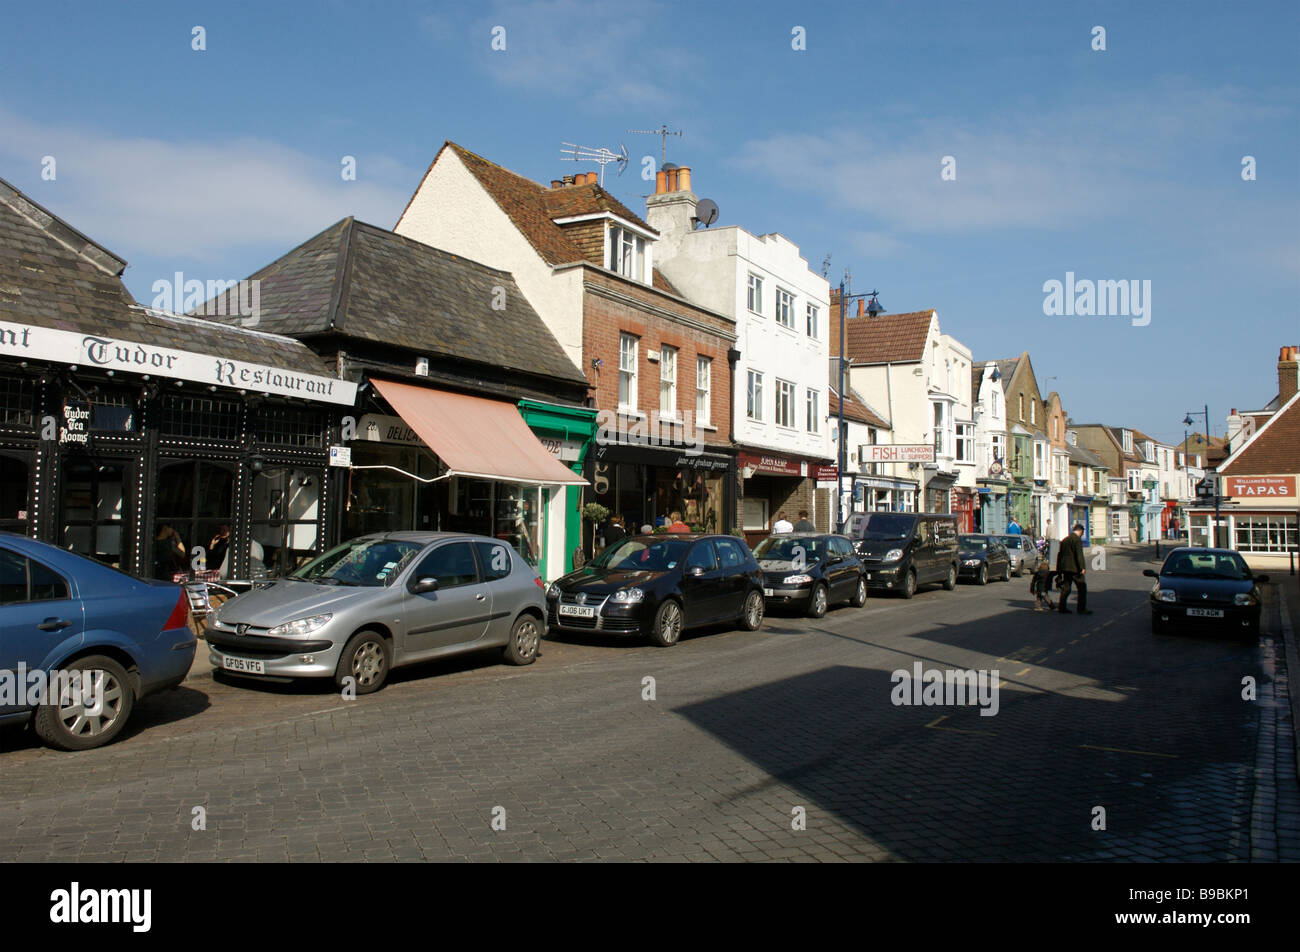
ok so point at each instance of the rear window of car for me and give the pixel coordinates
(26, 580)
(730, 554)
(494, 557)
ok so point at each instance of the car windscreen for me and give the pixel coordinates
(885, 526)
(1220, 565)
(371, 563)
(1013, 542)
(643, 555)
(973, 544)
(787, 549)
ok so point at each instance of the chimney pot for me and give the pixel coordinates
(862, 307)
(556, 183)
(568, 180)
(672, 180)
(661, 182)
(1287, 372)
(684, 178)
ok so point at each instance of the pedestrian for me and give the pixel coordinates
(614, 532)
(675, 523)
(782, 524)
(804, 525)
(1071, 564)
(1040, 581)
(1013, 527)
(217, 549)
(168, 553)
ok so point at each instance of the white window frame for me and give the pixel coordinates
(1040, 459)
(754, 396)
(627, 371)
(703, 389)
(812, 403)
(813, 314)
(627, 253)
(754, 294)
(965, 442)
(939, 418)
(785, 399)
(784, 308)
(998, 449)
(668, 382)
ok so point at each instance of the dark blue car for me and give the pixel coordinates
(1206, 588)
(81, 642)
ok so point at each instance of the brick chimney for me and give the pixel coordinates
(1286, 374)
(670, 209)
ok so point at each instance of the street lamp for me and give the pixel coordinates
(873, 310)
(1187, 421)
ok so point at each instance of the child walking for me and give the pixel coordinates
(1040, 582)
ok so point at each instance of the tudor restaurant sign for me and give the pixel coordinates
(896, 453)
(28, 342)
(1254, 487)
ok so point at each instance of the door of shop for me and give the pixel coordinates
(15, 491)
(96, 506)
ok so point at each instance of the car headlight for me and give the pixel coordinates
(301, 626)
(1245, 598)
(1166, 595)
(971, 562)
(553, 590)
(796, 580)
(628, 596)
(893, 555)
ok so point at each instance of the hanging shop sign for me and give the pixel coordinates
(28, 342)
(76, 420)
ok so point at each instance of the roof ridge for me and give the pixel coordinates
(60, 231)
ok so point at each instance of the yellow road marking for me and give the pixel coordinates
(1121, 750)
(934, 725)
(1019, 673)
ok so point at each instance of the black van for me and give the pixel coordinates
(902, 550)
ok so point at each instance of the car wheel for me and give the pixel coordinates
(525, 637)
(366, 659)
(860, 595)
(983, 578)
(1006, 573)
(752, 618)
(668, 624)
(817, 601)
(950, 582)
(69, 723)
(909, 584)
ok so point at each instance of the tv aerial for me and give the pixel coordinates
(663, 132)
(582, 153)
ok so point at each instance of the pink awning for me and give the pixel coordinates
(473, 436)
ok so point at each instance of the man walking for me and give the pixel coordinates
(1071, 565)
(804, 524)
(782, 524)
(1013, 527)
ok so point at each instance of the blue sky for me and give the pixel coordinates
(1122, 164)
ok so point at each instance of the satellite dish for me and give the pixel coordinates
(706, 212)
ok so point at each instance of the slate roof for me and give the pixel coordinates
(51, 275)
(888, 338)
(1275, 447)
(532, 207)
(366, 283)
(856, 410)
(1081, 454)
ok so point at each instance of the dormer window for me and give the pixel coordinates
(1128, 440)
(627, 253)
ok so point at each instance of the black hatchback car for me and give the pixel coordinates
(1209, 588)
(982, 557)
(810, 572)
(658, 586)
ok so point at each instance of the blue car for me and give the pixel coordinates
(81, 642)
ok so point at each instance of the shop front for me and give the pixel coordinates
(439, 460)
(773, 483)
(1080, 513)
(566, 432)
(645, 484)
(1020, 501)
(965, 504)
(992, 511)
(938, 489)
(884, 494)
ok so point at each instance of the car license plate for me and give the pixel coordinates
(767, 593)
(242, 664)
(1205, 612)
(578, 611)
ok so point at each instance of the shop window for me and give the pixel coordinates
(91, 511)
(289, 426)
(15, 486)
(1265, 534)
(199, 418)
(381, 495)
(17, 402)
(754, 512)
(451, 564)
(196, 502)
(283, 526)
(506, 511)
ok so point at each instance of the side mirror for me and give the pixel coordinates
(695, 571)
(423, 586)
(1261, 579)
(1150, 573)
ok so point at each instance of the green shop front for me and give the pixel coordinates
(566, 432)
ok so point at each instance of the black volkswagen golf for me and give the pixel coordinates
(1211, 588)
(658, 586)
(810, 572)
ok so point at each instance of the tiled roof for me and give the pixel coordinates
(856, 410)
(53, 276)
(366, 283)
(1081, 454)
(1275, 447)
(532, 207)
(888, 338)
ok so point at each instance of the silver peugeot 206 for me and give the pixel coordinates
(379, 602)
